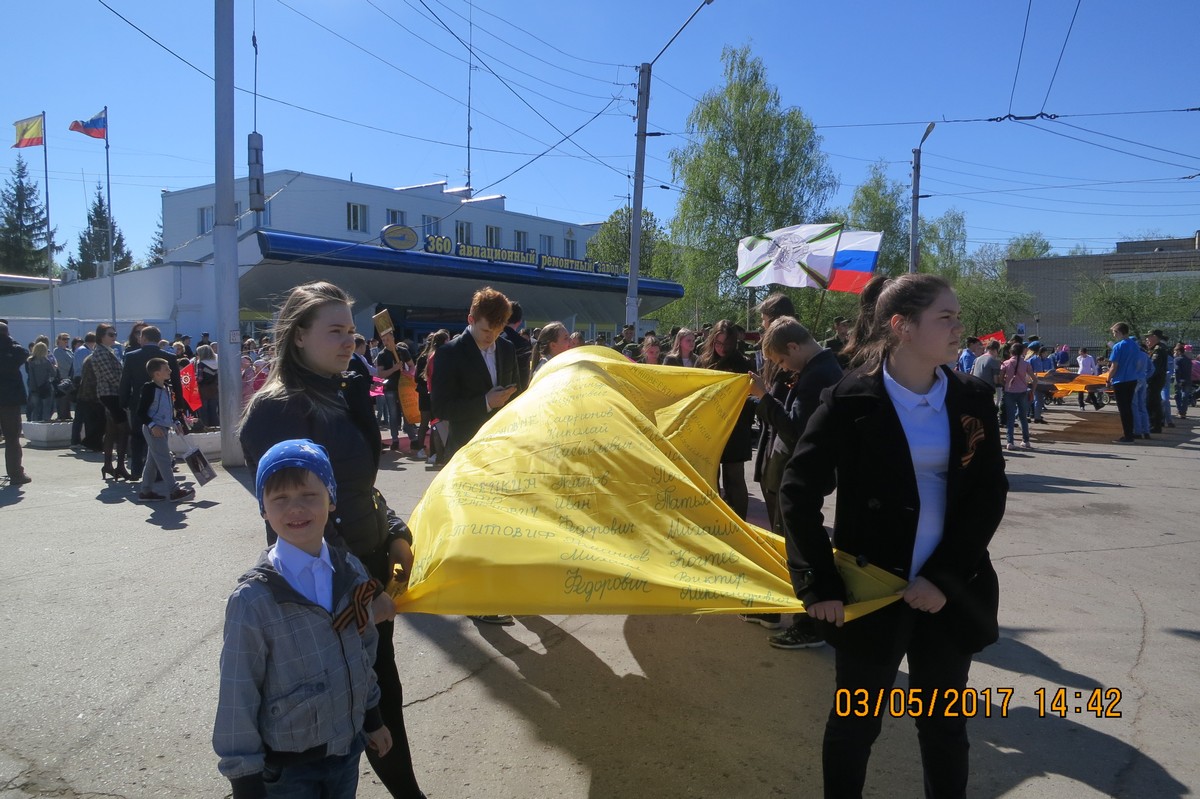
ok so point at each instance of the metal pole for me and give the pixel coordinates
(49, 237)
(112, 261)
(225, 265)
(914, 254)
(639, 177)
(914, 237)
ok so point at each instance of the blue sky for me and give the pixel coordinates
(399, 82)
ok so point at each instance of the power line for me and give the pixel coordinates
(566, 137)
(1128, 141)
(1089, 185)
(1020, 55)
(1078, 213)
(442, 50)
(1106, 147)
(1014, 192)
(1060, 56)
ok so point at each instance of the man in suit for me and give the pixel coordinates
(475, 373)
(522, 345)
(133, 377)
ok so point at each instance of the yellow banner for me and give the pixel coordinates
(594, 491)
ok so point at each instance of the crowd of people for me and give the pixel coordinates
(873, 409)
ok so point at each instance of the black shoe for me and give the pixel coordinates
(795, 637)
(1123, 440)
(1146, 436)
(20, 479)
(502, 620)
(772, 621)
(395, 447)
(1157, 430)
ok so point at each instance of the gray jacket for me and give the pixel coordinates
(297, 683)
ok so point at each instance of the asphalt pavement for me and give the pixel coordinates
(112, 616)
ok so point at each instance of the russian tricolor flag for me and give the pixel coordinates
(96, 127)
(854, 263)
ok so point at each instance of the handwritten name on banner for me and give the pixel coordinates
(594, 491)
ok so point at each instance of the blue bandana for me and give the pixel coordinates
(298, 452)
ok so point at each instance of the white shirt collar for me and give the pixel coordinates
(909, 400)
(297, 560)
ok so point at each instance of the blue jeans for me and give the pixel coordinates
(1141, 415)
(332, 777)
(1016, 404)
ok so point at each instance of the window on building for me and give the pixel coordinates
(569, 248)
(520, 240)
(356, 217)
(395, 217)
(205, 222)
(237, 214)
(493, 236)
(546, 245)
(462, 232)
(430, 225)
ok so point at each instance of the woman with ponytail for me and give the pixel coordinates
(552, 339)
(913, 449)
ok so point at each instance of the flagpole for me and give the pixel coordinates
(112, 263)
(820, 305)
(49, 239)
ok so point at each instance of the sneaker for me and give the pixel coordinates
(1026, 445)
(1011, 447)
(395, 447)
(500, 619)
(1123, 440)
(795, 637)
(150, 496)
(432, 461)
(769, 620)
(181, 492)
(421, 454)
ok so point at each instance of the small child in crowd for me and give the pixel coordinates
(156, 416)
(298, 698)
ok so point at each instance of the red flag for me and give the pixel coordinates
(191, 392)
(997, 336)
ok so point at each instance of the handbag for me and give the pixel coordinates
(197, 462)
(64, 387)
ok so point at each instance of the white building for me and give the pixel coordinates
(320, 228)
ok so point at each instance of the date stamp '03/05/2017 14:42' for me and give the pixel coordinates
(1101, 703)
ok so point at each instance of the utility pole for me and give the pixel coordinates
(914, 237)
(225, 260)
(639, 174)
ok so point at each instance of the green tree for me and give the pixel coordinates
(1028, 245)
(883, 205)
(93, 242)
(611, 242)
(943, 245)
(751, 166)
(23, 225)
(157, 251)
(989, 302)
(1172, 304)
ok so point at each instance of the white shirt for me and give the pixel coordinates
(489, 357)
(926, 426)
(312, 577)
(1087, 365)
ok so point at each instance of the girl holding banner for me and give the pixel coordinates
(913, 449)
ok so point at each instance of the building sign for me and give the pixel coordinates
(444, 245)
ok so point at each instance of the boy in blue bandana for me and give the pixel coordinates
(297, 705)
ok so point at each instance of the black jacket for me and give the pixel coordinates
(461, 381)
(12, 358)
(134, 376)
(349, 433)
(855, 442)
(785, 411)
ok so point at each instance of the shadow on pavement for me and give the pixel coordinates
(1054, 484)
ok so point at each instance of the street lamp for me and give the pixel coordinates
(639, 175)
(914, 256)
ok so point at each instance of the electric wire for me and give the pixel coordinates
(1020, 55)
(1106, 147)
(1066, 39)
(1128, 141)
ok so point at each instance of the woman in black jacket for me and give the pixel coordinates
(721, 353)
(914, 451)
(310, 395)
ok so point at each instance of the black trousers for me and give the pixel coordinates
(1124, 393)
(137, 447)
(1154, 404)
(10, 428)
(934, 661)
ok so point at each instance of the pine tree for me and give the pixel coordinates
(23, 225)
(157, 251)
(93, 243)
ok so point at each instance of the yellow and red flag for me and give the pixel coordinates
(31, 132)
